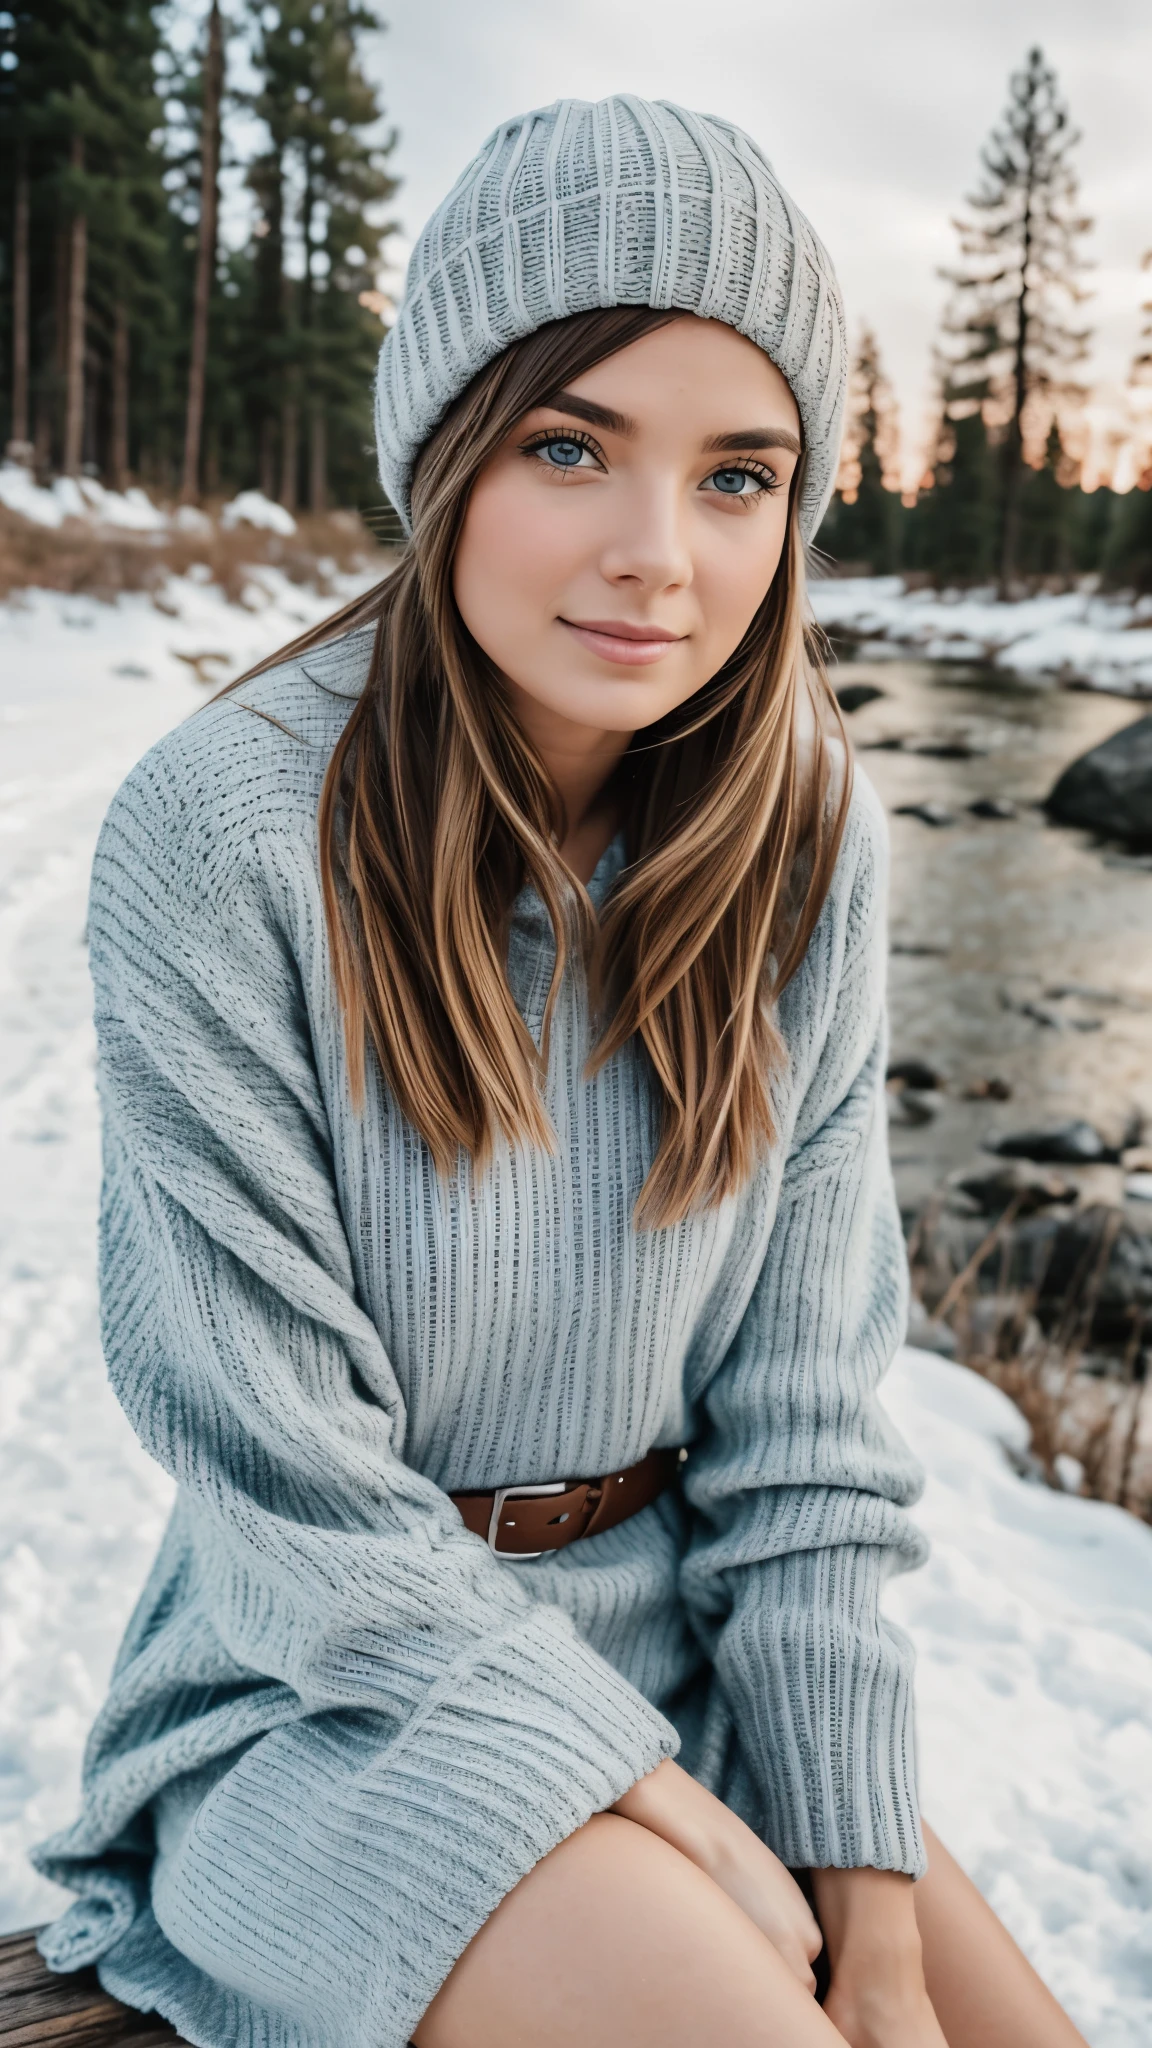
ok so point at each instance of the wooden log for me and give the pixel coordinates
(39, 2010)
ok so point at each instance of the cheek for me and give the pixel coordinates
(512, 561)
(736, 571)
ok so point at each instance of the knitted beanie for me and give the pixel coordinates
(621, 202)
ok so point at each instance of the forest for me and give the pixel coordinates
(145, 340)
(142, 344)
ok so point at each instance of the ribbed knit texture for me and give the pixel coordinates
(617, 202)
(339, 1730)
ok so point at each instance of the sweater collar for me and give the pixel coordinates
(529, 914)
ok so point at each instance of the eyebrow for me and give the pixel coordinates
(719, 444)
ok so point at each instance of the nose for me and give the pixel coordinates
(648, 547)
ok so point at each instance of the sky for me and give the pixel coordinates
(873, 115)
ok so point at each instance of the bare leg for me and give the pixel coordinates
(986, 1994)
(617, 1936)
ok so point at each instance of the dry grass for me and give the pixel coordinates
(102, 562)
(1082, 1400)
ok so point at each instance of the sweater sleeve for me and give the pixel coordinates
(799, 1480)
(441, 1731)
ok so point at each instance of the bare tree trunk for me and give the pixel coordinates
(206, 253)
(268, 456)
(1013, 456)
(19, 448)
(77, 330)
(119, 448)
(318, 461)
(289, 453)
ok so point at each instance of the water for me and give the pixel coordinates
(989, 916)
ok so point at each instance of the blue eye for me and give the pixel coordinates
(732, 482)
(563, 453)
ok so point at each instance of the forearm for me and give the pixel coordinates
(877, 1997)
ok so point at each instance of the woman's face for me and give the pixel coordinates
(616, 547)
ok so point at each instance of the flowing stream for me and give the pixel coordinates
(1021, 950)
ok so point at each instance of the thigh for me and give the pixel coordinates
(985, 1992)
(615, 1935)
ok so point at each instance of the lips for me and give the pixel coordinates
(619, 641)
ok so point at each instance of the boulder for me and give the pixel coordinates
(1109, 789)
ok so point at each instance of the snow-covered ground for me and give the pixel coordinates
(86, 499)
(1033, 1619)
(1077, 636)
(1033, 1624)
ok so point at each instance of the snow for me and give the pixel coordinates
(252, 508)
(1033, 1620)
(1102, 642)
(68, 497)
(1033, 1627)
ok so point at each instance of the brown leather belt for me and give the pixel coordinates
(528, 1520)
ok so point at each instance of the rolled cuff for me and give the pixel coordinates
(820, 1688)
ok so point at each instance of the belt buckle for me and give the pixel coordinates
(504, 1493)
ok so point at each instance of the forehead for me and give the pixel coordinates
(694, 367)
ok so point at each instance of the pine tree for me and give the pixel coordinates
(863, 527)
(1140, 382)
(1127, 554)
(206, 251)
(83, 109)
(321, 185)
(1045, 538)
(953, 527)
(128, 340)
(1015, 344)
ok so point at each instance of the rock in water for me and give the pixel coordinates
(994, 1188)
(853, 696)
(915, 1074)
(993, 807)
(1109, 789)
(1072, 1144)
(929, 812)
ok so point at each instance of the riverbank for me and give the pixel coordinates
(1077, 637)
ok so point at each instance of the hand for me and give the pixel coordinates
(669, 1802)
(877, 1997)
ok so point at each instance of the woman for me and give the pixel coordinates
(492, 1055)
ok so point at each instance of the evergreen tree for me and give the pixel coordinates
(129, 340)
(953, 528)
(206, 250)
(1045, 540)
(1127, 555)
(1015, 344)
(321, 185)
(862, 527)
(86, 201)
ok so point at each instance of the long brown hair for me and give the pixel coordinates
(436, 809)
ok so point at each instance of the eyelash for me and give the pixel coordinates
(758, 471)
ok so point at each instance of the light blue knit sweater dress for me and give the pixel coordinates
(339, 1730)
